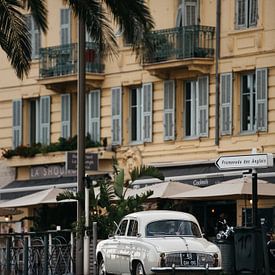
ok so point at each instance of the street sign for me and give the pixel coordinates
(91, 161)
(244, 161)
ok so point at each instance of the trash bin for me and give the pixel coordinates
(228, 255)
(248, 250)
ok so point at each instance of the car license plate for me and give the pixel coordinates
(189, 259)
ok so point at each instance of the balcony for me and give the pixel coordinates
(58, 65)
(187, 48)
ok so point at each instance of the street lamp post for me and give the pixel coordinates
(80, 139)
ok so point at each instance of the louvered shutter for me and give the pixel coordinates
(169, 110)
(241, 13)
(253, 12)
(147, 111)
(34, 35)
(116, 116)
(45, 121)
(203, 93)
(191, 12)
(65, 115)
(65, 32)
(226, 103)
(16, 123)
(261, 99)
(94, 115)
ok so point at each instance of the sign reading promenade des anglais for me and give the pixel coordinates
(244, 161)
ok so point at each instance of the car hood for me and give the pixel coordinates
(174, 244)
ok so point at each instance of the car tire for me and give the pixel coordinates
(138, 269)
(101, 268)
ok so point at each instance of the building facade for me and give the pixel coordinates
(206, 91)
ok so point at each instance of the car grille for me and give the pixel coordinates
(189, 259)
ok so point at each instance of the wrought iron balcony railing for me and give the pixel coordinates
(62, 60)
(180, 43)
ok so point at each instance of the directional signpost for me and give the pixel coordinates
(245, 161)
(252, 161)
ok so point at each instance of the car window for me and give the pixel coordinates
(172, 228)
(122, 228)
(133, 228)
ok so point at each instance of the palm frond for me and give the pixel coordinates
(134, 18)
(97, 24)
(67, 195)
(14, 36)
(143, 170)
(38, 9)
(119, 184)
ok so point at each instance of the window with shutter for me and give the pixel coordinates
(169, 110)
(65, 115)
(188, 13)
(261, 99)
(203, 106)
(246, 13)
(65, 26)
(116, 116)
(147, 112)
(196, 107)
(45, 120)
(16, 123)
(35, 36)
(94, 115)
(226, 103)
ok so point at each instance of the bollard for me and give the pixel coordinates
(46, 255)
(26, 256)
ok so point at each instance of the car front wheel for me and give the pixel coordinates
(102, 268)
(139, 270)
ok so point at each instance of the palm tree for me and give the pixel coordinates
(133, 17)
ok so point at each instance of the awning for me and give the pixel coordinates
(240, 188)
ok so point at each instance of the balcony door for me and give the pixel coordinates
(187, 17)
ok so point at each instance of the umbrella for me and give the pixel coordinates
(42, 197)
(162, 190)
(234, 189)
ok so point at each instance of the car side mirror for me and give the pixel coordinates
(138, 235)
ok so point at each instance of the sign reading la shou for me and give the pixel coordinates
(91, 161)
(245, 161)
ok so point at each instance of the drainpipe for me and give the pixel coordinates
(217, 57)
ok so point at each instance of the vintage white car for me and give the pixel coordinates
(157, 241)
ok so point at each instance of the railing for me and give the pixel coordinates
(33, 253)
(62, 60)
(180, 43)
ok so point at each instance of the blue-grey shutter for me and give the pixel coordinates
(65, 115)
(147, 111)
(241, 13)
(35, 36)
(169, 110)
(261, 99)
(94, 115)
(226, 103)
(203, 94)
(16, 122)
(45, 119)
(65, 27)
(253, 12)
(116, 115)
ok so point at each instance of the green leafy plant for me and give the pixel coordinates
(62, 145)
(109, 201)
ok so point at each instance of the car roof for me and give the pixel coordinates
(152, 215)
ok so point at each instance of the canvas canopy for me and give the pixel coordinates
(240, 188)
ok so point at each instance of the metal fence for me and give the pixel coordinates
(62, 60)
(44, 253)
(180, 43)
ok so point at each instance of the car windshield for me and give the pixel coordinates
(172, 228)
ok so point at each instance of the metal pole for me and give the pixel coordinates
(254, 197)
(26, 256)
(80, 139)
(8, 255)
(46, 254)
(94, 246)
(86, 258)
(217, 94)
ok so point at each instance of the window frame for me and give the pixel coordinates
(250, 14)
(66, 115)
